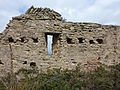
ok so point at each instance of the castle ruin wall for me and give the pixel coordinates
(86, 44)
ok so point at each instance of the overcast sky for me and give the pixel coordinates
(98, 11)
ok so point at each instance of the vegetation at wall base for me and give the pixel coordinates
(57, 79)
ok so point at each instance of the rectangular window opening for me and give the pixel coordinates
(52, 43)
(49, 44)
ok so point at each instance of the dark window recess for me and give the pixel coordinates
(100, 41)
(90, 30)
(69, 41)
(22, 39)
(27, 50)
(1, 62)
(10, 39)
(25, 62)
(32, 64)
(99, 58)
(35, 40)
(91, 42)
(74, 62)
(72, 59)
(81, 40)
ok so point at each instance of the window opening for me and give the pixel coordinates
(100, 41)
(10, 39)
(22, 39)
(35, 40)
(70, 41)
(91, 42)
(1, 62)
(52, 41)
(81, 40)
(32, 64)
(49, 44)
(25, 62)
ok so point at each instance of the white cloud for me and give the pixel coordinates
(100, 11)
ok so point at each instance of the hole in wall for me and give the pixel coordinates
(1, 62)
(25, 62)
(49, 44)
(74, 62)
(113, 60)
(91, 42)
(35, 40)
(52, 43)
(72, 59)
(32, 64)
(10, 39)
(100, 41)
(81, 40)
(98, 58)
(69, 41)
(90, 30)
(22, 39)
(27, 50)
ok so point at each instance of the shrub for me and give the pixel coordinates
(57, 79)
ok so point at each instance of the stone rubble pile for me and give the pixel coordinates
(40, 14)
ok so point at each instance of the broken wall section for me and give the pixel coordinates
(73, 43)
(91, 44)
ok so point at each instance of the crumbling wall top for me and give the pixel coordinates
(40, 14)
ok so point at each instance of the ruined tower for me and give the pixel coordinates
(86, 44)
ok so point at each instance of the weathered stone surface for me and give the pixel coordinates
(86, 44)
(39, 14)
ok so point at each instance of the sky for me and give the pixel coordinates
(97, 11)
(49, 42)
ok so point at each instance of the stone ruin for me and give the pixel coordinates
(24, 42)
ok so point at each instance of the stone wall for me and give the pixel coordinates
(86, 44)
